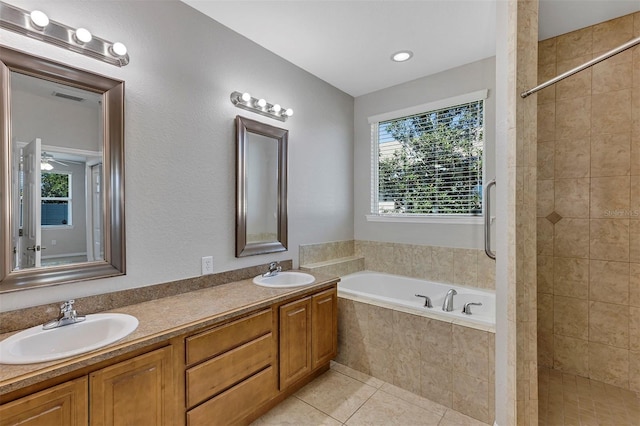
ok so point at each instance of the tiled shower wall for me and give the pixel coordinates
(446, 265)
(589, 206)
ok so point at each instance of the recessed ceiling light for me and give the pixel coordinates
(402, 56)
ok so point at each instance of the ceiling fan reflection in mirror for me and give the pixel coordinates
(47, 159)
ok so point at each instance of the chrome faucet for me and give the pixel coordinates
(466, 309)
(274, 268)
(448, 301)
(67, 316)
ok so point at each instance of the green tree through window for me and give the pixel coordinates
(56, 199)
(55, 185)
(431, 163)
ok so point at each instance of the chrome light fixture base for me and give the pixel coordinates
(260, 106)
(20, 21)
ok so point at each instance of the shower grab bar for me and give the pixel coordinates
(579, 68)
(487, 219)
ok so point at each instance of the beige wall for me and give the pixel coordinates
(588, 209)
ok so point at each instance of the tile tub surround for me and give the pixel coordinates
(399, 292)
(333, 258)
(161, 320)
(29, 317)
(588, 208)
(447, 363)
(447, 265)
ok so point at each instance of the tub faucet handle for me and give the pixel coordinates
(467, 307)
(427, 301)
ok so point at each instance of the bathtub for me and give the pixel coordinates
(399, 292)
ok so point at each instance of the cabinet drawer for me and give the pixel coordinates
(228, 336)
(213, 376)
(237, 402)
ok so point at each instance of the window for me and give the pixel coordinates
(56, 199)
(427, 160)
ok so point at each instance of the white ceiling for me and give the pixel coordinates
(348, 43)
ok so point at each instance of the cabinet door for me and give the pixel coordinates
(65, 404)
(138, 391)
(295, 341)
(324, 331)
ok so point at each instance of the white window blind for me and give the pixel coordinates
(429, 163)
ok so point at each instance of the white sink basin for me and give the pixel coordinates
(285, 279)
(37, 345)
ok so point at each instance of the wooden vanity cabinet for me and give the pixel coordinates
(231, 369)
(226, 374)
(324, 327)
(308, 335)
(64, 404)
(137, 391)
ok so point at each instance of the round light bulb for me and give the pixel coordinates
(246, 97)
(39, 19)
(288, 112)
(402, 56)
(83, 35)
(276, 108)
(262, 103)
(119, 49)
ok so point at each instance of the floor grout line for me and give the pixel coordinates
(361, 405)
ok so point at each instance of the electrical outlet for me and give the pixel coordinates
(207, 265)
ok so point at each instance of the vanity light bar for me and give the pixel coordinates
(260, 106)
(37, 25)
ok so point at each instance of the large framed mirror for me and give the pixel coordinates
(62, 176)
(261, 188)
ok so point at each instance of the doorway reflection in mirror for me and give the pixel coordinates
(58, 170)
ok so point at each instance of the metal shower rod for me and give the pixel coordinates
(586, 65)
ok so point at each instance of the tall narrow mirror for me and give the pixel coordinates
(62, 176)
(261, 212)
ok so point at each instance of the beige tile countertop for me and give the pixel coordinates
(160, 320)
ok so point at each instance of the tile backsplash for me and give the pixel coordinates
(469, 267)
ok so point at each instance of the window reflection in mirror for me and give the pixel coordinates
(58, 170)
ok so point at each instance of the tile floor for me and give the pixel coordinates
(565, 399)
(343, 396)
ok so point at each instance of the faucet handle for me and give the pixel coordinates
(467, 307)
(67, 306)
(427, 301)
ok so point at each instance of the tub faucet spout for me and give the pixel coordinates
(447, 306)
